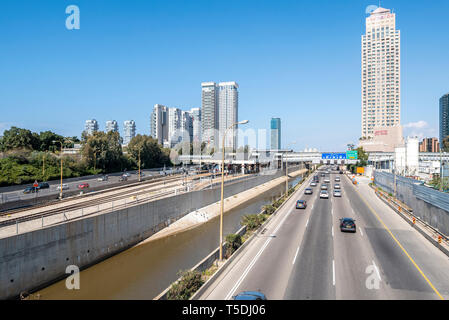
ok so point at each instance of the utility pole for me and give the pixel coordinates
(441, 171)
(139, 166)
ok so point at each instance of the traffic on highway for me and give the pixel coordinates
(336, 242)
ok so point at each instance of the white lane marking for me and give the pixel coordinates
(377, 270)
(332, 211)
(296, 254)
(333, 272)
(361, 232)
(247, 270)
(332, 231)
(307, 223)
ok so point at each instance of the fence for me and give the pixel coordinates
(428, 204)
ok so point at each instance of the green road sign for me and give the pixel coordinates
(351, 155)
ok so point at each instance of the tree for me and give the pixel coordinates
(445, 144)
(17, 138)
(152, 155)
(46, 139)
(103, 150)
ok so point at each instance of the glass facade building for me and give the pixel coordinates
(444, 117)
(275, 133)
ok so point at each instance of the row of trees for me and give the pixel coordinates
(26, 156)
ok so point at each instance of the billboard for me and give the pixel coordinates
(352, 155)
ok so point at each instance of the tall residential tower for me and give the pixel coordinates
(444, 118)
(381, 72)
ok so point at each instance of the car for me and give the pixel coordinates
(327, 180)
(301, 204)
(103, 178)
(43, 185)
(347, 225)
(126, 174)
(337, 193)
(30, 190)
(324, 186)
(337, 179)
(324, 194)
(83, 185)
(313, 184)
(308, 191)
(64, 187)
(337, 186)
(322, 174)
(123, 178)
(250, 295)
(341, 172)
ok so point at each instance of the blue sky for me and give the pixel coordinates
(297, 60)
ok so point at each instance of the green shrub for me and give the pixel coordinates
(233, 242)
(189, 283)
(269, 209)
(253, 221)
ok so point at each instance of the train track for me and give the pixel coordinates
(101, 200)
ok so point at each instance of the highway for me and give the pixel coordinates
(303, 255)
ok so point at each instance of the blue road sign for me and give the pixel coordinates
(333, 156)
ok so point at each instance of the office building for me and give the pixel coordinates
(275, 133)
(129, 128)
(381, 73)
(429, 145)
(444, 117)
(228, 97)
(209, 112)
(91, 126)
(195, 114)
(111, 125)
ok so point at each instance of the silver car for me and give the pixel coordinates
(337, 193)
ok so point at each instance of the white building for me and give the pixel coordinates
(111, 125)
(381, 72)
(195, 114)
(91, 126)
(228, 98)
(159, 123)
(129, 128)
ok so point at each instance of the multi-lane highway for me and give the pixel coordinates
(303, 254)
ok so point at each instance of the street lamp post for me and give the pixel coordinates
(55, 141)
(222, 186)
(286, 171)
(139, 167)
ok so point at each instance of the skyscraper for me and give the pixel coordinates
(381, 72)
(275, 133)
(228, 108)
(111, 125)
(174, 127)
(129, 128)
(195, 114)
(444, 117)
(91, 126)
(209, 112)
(159, 123)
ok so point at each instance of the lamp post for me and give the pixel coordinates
(286, 171)
(57, 141)
(222, 186)
(140, 178)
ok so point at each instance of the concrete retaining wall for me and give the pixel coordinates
(35, 259)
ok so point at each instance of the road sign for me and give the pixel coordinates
(35, 184)
(333, 156)
(352, 155)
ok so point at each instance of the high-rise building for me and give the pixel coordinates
(174, 127)
(111, 125)
(444, 117)
(91, 126)
(275, 133)
(159, 123)
(381, 72)
(228, 107)
(129, 128)
(429, 145)
(209, 112)
(195, 114)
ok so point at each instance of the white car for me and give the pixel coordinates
(337, 179)
(337, 186)
(64, 186)
(337, 193)
(324, 194)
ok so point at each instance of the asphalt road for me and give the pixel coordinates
(303, 254)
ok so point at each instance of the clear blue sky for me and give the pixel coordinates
(297, 60)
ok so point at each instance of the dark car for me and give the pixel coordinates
(123, 178)
(308, 191)
(347, 225)
(301, 204)
(83, 186)
(341, 172)
(30, 190)
(250, 295)
(43, 185)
